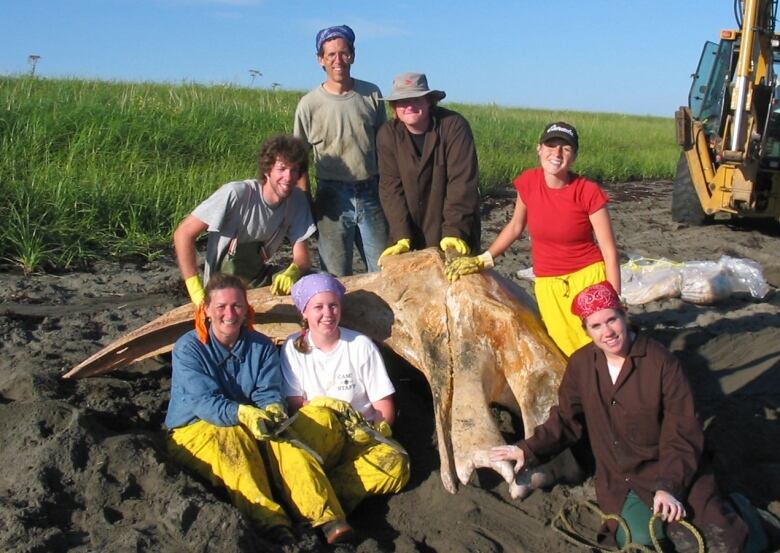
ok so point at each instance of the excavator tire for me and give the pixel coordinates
(686, 207)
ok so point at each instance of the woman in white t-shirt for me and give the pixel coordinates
(336, 380)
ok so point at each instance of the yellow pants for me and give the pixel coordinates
(230, 456)
(356, 470)
(554, 296)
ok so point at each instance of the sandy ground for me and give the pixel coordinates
(83, 465)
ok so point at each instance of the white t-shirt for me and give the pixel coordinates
(614, 371)
(353, 371)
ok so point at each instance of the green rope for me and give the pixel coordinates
(562, 524)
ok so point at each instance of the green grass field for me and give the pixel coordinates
(93, 169)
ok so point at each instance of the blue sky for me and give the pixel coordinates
(622, 56)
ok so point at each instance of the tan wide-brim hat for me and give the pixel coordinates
(412, 85)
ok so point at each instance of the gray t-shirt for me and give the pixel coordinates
(341, 129)
(238, 210)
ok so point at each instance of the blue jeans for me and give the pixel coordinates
(349, 213)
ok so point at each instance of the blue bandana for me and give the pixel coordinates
(339, 31)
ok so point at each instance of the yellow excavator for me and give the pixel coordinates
(730, 130)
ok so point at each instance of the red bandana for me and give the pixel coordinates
(595, 298)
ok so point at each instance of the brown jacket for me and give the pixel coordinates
(437, 194)
(643, 430)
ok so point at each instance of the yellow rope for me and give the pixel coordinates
(684, 523)
(641, 263)
(562, 525)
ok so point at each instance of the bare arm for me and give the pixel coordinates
(294, 403)
(386, 408)
(184, 238)
(512, 231)
(300, 255)
(602, 228)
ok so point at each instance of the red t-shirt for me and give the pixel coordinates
(558, 222)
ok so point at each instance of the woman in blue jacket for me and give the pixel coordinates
(226, 400)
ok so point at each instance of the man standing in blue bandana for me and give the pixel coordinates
(340, 119)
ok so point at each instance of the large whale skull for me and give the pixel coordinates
(477, 341)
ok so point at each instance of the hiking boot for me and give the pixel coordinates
(338, 531)
(281, 535)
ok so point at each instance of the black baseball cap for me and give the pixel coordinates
(561, 130)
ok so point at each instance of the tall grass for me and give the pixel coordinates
(90, 169)
(613, 147)
(96, 168)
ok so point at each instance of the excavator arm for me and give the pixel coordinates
(729, 131)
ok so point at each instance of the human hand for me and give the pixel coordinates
(455, 243)
(276, 412)
(402, 246)
(195, 289)
(667, 506)
(509, 453)
(463, 266)
(281, 282)
(256, 420)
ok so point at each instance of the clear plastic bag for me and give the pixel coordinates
(704, 283)
(644, 280)
(701, 282)
(745, 275)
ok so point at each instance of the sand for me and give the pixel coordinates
(83, 464)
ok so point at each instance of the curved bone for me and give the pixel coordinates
(476, 341)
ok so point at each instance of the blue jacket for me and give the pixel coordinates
(210, 381)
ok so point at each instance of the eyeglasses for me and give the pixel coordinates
(331, 57)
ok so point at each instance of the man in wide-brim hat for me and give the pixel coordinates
(428, 172)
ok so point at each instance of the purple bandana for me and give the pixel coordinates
(311, 285)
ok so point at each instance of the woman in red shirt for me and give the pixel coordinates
(572, 242)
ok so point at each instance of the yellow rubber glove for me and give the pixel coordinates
(340, 406)
(195, 289)
(256, 420)
(277, 412)
(281, 282)
(402, 246)
(383, 428)
(462, 266)
(456, 243)
(355, 425)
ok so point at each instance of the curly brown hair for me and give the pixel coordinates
(286, 147)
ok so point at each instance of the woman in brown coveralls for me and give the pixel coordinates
(647, 441)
